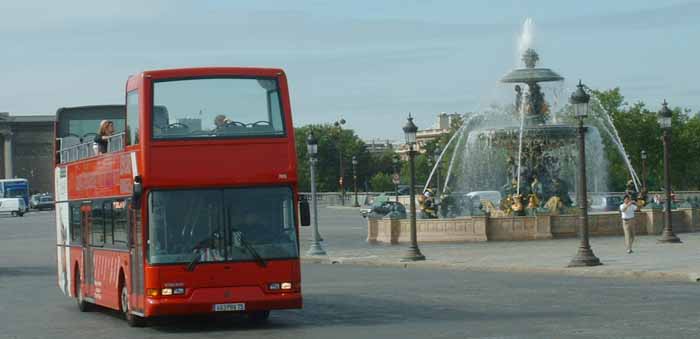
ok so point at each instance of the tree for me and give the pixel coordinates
(381, 182)
(335, 145)
(639, 130)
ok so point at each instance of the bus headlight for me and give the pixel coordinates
(166, 291)
(280, 286)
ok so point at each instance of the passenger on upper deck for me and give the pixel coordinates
(221, 121)
(106, 130)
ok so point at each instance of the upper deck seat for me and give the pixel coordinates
(89, 137)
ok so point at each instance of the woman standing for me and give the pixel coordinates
(106, 130)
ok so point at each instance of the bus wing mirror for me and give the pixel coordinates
(304, 212)
(136, 193)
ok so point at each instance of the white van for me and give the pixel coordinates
(14, 206)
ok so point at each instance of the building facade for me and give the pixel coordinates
(27, 149)
(424, 136)
(377, 146)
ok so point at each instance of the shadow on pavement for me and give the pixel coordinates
(26, 271)
(338, 309)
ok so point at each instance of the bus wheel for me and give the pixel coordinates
(83, 305)
(259, 317)
(131, 319)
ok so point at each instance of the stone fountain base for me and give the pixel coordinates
(485, 228)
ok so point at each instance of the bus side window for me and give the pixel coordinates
(75, 223)
(97, 227)
(119, 218)
(108, 220)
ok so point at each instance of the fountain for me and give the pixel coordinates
(525, 154)
(521, 150)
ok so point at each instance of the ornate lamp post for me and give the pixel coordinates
(339, 124)
(584, 257)
(644, 170)
(665, 117)
(354, 179)
(410, 130)
(312, 147)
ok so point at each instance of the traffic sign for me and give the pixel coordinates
(396, 179)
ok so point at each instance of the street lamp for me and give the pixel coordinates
(354, 179)
(312, 147)
(644, 171)
(339, 125)
(410, 130)
(396, 179)
(584, 257)
(665, 116)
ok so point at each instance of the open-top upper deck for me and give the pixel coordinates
(195, 127)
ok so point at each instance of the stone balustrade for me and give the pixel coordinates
(486, 228)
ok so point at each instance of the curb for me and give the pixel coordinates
(593, 272)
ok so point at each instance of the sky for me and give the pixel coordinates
(370, 62)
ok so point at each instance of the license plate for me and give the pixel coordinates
(229, 307)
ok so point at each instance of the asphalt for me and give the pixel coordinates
(345, 232)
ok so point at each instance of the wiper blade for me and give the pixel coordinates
(262, 262)
(195, 260)
(197, 253)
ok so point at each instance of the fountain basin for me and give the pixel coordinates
(509, 228)
(531, 75)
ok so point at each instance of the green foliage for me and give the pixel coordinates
(336, 148)
(422, 170)
(381, 182)
(639, 130)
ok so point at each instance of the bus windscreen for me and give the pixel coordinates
(216, 108)
(217, 225)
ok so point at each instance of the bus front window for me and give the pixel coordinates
(184, 223)
(216, 108)
(16, 193)
(214, 225)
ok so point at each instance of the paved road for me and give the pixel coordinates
(343, 301)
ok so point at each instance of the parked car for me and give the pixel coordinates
(14, 206)
(381, 206)
(34, 200)
(41, 202)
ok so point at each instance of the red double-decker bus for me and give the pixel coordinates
(193, 208)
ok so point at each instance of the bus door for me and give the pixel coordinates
(136, 250)
(86, 226)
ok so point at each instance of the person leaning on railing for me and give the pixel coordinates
(103, 134)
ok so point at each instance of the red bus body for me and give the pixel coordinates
(104, 263)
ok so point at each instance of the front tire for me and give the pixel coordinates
(83, 305)
(131, 319)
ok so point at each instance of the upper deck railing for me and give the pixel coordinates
(70, 151)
